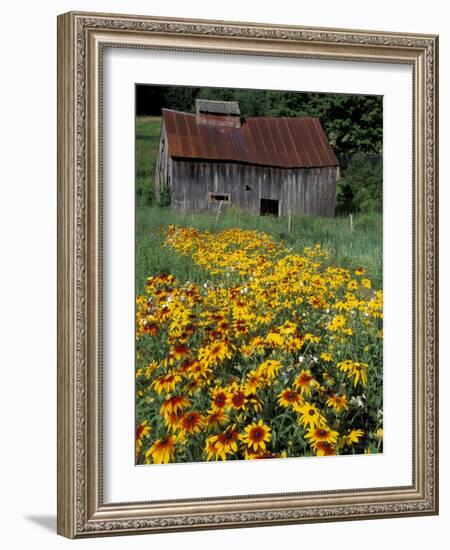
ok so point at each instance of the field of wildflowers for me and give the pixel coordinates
(270, 353)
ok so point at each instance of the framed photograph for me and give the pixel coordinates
(247, 276)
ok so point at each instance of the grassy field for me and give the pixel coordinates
(250, 346)
(349, 248)
(251, 341)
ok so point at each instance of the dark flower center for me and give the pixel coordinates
(312, 412)
(220, 399)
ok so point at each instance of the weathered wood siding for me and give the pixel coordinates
(309, 191)
(163, 174)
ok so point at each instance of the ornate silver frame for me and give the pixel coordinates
(81, 38)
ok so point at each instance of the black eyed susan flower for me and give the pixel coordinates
(167, 382)
(337, 402)
(179, 351)
(151, 329)
(211, 449)
(305, 382)
(353, 436)
(173, 405)
(215, 418)
(310, 415)
(275, 339)
(255, 380)
(355, 370)
(142, 430)
(254, 402)
(172, 420)
(238, 398)
(270, 368)
(163, 450)
(325, 448)
(290, 398)
(321, 434)
(256, 435)
(199, 370)
(223, 444)
(359, 372)
(191, 422)
(215, 353)
(193, 386)
(220, 398)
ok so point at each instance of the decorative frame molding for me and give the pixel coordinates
(81, 38)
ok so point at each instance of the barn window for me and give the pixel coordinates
(217, 197)
(268, 207)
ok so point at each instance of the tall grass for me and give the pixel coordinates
(349, 247)
(148, 130)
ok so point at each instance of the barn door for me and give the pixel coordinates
(268, 207)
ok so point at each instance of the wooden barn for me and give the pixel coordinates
(266, 165)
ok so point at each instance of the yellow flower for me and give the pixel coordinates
(215, 353)
(255, 380)
(310, 416)
(191, 422)
(220, 398)
(275, 339)
(353, 436)
(338, 322)
(142, 430)
(337, 402)
(356, 370)
(162, 450)
(305, 381)
(166, 383)
(325, 448)
(237, 397)
(150, 369)
(256, 435)
(290, 398)
(270, 368)
(321, 434)
(173, 405)
(366, 283)
(215, 418)
(221, 445)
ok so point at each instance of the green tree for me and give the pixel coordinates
(353, 123)
(361, 186)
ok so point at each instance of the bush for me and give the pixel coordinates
(165, 197)
(361, 186)
(145, 195)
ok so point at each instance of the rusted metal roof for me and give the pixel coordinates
(286, 142)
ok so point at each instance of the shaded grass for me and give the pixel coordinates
(148, 130)
(349, 248)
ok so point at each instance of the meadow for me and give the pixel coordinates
(349, 247)
(254, 339)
